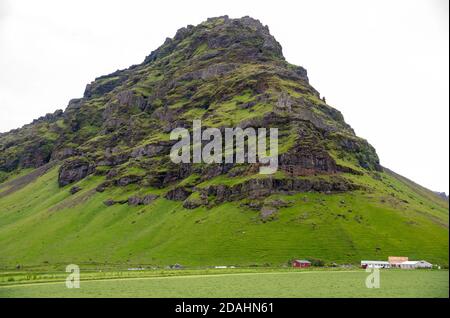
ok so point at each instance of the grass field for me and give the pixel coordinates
(242, 283)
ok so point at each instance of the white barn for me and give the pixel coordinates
(415, 264)
(375, 264)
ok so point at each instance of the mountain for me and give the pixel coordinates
(94, 184)
(443, 195)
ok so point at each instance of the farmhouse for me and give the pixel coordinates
(395, 261)
(375, 264)
(301, 263)
(415, 264)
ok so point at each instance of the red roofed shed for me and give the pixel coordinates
(301, 263)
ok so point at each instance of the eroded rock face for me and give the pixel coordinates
(284, 102)
(65, 153)
(152, 150)
(178, 194)
(74, 170)
(104, 84)
(307, 162)
(114, 157)
(111, 202)
(260, 188)
(145, 200)
(35, 156)
(49, 117)
(209, 72)
(129, 99)
(126, 180)
(257, 190)
(193, 203)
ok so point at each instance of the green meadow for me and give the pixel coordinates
(242, 283)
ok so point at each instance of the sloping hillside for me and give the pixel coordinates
(42, 225)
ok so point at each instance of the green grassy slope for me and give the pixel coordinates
(44, 225)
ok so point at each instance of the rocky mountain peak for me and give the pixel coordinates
(246, 38)
(224, 72)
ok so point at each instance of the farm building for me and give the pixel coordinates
(375, 264)
(301, 263)
(395, 261)
(415, 264)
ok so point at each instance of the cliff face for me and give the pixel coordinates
(226, 72)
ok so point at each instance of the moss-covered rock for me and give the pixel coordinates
(226, 72)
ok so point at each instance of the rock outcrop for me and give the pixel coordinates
(442, 195)
(145, 200)
(74, 170)
(258, 189)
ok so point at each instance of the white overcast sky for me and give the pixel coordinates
(384, 64)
